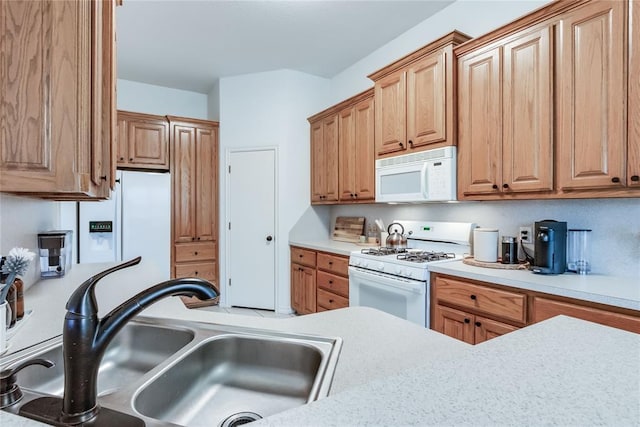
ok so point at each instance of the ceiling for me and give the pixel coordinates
(189, 45)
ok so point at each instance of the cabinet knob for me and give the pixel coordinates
(615, 179)
(494, 186)
(300, 255)
(131, 159)
(103, 177)
(635, 178)
(198, 238)
(505, 185)
(355, 195)
(400, 144)
(478, 324)
(330, 262)
(196, 273)
(331, 301)
(351, 194)
(411, 143)
(121, 159)
(467, 321)
(195, 253)
(473, 297)
(193, 238)
(331, 282)
(300, 269)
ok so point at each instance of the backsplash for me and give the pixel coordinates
(615, 239)
(21, 219)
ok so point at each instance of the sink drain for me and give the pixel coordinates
(240, 418)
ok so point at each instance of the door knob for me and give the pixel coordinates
(269, 238)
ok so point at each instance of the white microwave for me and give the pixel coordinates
(426, 176)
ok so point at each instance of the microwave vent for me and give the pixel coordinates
(438, 153)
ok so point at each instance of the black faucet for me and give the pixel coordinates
(85, 336)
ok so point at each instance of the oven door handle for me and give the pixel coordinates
(384, 283)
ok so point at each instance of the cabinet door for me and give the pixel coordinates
(148, 144)
(480, 122)
(57, 105)
(330, 136)
(390, 117)
(454, 323)
(591, 79)
(348, 151)
(303, 289)
(426, 101)
(485, 329)
(183, 176)
(527, 145)
(318, 177)
(365, 177)
(206, 180)
(633, 149)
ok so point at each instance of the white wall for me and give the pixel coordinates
(472, 17)
(159, 100)
(21, 219)
(213, 102)
(270, 110)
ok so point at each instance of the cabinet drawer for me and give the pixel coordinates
(544, 308)
(332, 283)
(334, 263)
(330, 300)
(203, 270)
(303, 256)
(195, 252)
(499, 303)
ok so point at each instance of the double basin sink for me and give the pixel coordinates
(170, 372)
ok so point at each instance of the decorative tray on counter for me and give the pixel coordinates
(471, 261)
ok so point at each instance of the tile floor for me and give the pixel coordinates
(245, 311)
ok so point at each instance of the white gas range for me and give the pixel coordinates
(397, 282)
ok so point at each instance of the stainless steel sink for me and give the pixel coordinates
(231, 375)
(177, 373)
(136, 350)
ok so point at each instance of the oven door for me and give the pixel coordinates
(404, 298)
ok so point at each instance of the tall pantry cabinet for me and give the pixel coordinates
(194, 177)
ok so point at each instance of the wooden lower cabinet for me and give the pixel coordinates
(466, 326)
(319, 281)
(303, 289)
(474, 311)
(544, 308)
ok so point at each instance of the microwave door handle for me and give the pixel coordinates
(424, 184)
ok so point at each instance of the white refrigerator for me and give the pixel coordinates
(135, 221)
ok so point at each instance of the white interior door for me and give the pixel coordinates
(251, 235)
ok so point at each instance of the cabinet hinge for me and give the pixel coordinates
(229, 168)
(229, 282)
(229, 225)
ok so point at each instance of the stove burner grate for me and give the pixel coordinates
(425, 256)
(381, 251)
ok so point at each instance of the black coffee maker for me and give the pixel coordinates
(550, 247)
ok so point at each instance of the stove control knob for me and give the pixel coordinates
(380, 266)
(409, 273)
(399, 271)
(356, 262)
(365, 264)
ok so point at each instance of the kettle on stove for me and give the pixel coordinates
(396, 240)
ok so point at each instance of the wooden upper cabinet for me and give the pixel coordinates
(194, 179)
(426, 100)
(592, 97)
(390, 115)
(527, 115)
(143, 141)
(58, 98)
(415, 104)
(356, 152)
(633, 123)
(505, 112)
(480, 122)
(324, 160)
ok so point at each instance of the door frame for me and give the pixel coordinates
(224, 301)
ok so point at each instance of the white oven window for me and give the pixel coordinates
(401, 183)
